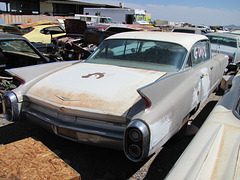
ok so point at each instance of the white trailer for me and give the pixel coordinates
(119, 15)
(92, 19)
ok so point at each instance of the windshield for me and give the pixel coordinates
(17, 47)
(223, 41)
(145, 54)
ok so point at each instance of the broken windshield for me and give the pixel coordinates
(17, 47)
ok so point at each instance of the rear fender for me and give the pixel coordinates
(172, 98)
(32, 74)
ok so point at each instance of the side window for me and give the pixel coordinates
(200, 52)
(45, 31)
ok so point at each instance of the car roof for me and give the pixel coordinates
(229, 35)
(187, 40)
(44, 26)
(10, 36)
(35, 23)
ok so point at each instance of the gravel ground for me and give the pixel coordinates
(95, 163)
(3, 121)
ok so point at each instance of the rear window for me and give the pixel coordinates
(27, 30)
(145, 54)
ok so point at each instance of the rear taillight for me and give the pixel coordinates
(230, 59)
(10, 106)
(136, 140)
(147, 102)
(19, 79)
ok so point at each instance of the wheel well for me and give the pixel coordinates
(195, 109)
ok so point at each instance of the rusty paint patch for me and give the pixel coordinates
(81, 100)
(97, 75)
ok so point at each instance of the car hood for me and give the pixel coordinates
(98, 88)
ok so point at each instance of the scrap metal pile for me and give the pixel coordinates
(81, 40)
(69, 39)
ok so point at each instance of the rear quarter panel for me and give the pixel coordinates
(172, 98)
(175, 96)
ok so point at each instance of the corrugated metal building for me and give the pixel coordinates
(48, 7)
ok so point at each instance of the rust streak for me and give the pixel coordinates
(83, 100)
(97, 75)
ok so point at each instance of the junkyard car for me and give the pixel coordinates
(214, 151)
(81, 40)
(40, 34)
(133, 93)
(190, 30)
(39, 31)
(228, 44)
(16, 51)
(43, 33)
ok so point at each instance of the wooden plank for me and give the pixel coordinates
(30, 159)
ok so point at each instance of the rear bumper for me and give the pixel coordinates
(80, 129)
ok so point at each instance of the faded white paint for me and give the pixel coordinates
(196, 92)
(103, 88)
(160, 128)
(206, 83)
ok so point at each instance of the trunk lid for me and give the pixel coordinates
(96, 88)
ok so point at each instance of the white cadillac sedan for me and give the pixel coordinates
(133, 93)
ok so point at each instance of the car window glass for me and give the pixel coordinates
(200, 52)
(146, 54)
(223, 41)
(17, 47)
(52, 30)
(27, 30)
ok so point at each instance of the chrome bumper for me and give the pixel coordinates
(80, 129)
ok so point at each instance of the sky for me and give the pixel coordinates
(198, 12)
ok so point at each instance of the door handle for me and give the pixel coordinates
(211, 67)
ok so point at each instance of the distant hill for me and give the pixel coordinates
(232, 26)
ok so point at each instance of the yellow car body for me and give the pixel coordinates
(43, 33)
